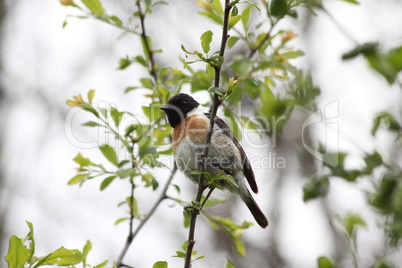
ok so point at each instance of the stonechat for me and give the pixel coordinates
(190, 126)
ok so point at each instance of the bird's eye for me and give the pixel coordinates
(183, 103)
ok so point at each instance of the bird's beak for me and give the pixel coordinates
(167, 107)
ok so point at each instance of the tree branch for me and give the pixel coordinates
(215, 104)
(152, 71)
(132, 234)
(144, 38)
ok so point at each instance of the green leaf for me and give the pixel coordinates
(124, 173)
(91, 95)
(206, 174)
(180, 254)
(383, 264)
(109, 153)
(128, 89)
(147, 83)
(364, 49)
(87, 248)
(124, 63)
(247, 123)
(351, 221)
(101, 265)
(233, 21)
(279, 8)
(233, 123)
(147, 176)
(89, 108)
(292, 54)
(241, 66)
(146, 43)
(64, 23)
(115, 20)
(83, 161)
(91, 124)
(213, 16)
(394, 57)
(105, 183)
(215, 90)
(213, 201)
(18, 254)
(229, 264)
(253, 87)
(133, 205)
(206, 39)
(141, 60)
(232, 41)
(186, 217)
(30, 237)
(388, 64)
(212, 10)
(315, 187)
(116, 115)
(176, 187)
(123, 163)
(383, 195)
(235, 11)
(372, 161)
(233, 230)
(352, 2)
(231, 180)
(104, 112)
(198, 258)
(95, 6)
(62, 257)
(69, 3)
(160, 264)
(121, 220)
(324, 262)
(160, 3)
(334, 161)
(387, 120)
(152, 111)
(155, 184)
(78, 178)
(184, 49)
(184, 245)
(245, 17)
(196, 205)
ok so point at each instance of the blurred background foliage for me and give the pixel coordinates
(270, 89)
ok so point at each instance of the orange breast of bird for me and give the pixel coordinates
(193, 128)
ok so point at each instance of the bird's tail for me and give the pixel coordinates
(254, 208)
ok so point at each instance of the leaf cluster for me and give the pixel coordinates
(386, 63)
(385, 197)
(266, 75)
(21, 254)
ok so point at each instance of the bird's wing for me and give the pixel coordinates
(247, 169)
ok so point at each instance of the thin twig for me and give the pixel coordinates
(132, 235)
(207, 197)
(263, 40)
(144, 38)
(214, 109)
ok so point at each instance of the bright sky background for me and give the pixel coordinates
(44, 65)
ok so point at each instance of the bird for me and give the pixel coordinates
(189, 125)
